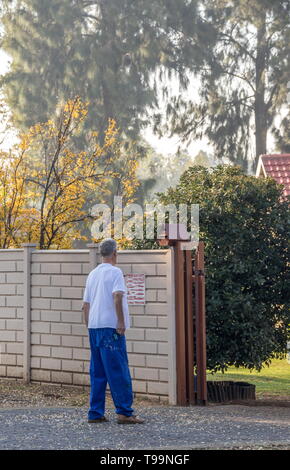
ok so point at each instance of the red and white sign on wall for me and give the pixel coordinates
(135, 289)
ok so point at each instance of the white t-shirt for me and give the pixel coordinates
(101, 283)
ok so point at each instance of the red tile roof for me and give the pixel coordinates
(277, 166)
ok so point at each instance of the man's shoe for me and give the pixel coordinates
(130, 420)
(103, 419)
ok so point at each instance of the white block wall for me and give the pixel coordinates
(11, 313)
(59, 347)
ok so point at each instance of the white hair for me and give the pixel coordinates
(107, 247)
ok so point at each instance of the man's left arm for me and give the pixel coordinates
(118, 297)
(86, 310)
(119, 289)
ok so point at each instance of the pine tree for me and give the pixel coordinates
(40, 40)
(244, 84)
(105, 51)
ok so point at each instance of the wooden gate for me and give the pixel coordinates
(190, 318)
(190, 325)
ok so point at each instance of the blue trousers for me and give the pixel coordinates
(109, 364)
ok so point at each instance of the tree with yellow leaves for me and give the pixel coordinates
(44, 184)
(15, 217)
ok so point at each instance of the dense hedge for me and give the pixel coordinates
(245, 225)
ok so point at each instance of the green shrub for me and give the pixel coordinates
(245, 225)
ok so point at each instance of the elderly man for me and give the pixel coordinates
(107, 318)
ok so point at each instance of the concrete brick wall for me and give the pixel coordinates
(148, 336)
(59, 347)
(11, 313)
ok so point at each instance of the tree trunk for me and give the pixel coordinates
(261, 121)
(107, 38)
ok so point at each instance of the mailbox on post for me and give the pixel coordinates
(172, 233)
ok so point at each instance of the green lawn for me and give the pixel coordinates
(271, 381)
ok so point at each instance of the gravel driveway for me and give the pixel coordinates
(166, 427)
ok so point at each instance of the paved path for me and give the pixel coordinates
(166, 427)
